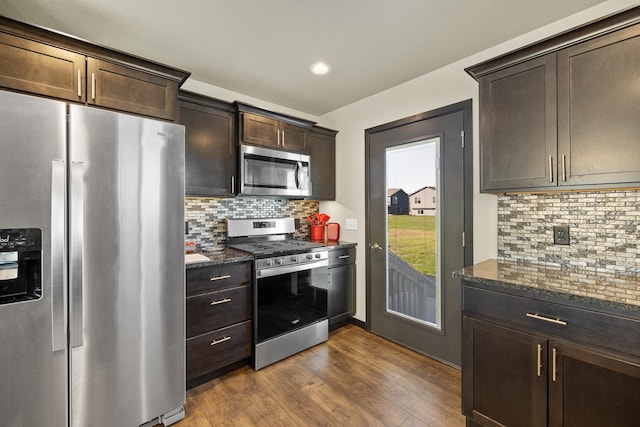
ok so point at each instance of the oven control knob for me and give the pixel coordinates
(269, 262)
(280, 261)
(309, 256)
(294, 258)
(317, 256)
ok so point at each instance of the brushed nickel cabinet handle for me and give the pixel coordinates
(554, 367)
(79, 84)
(283, 137)
(344, 257)
(547, 319)
(550, 169)
(220, 341)
(233, 185)
(539, 368)
(226, 276)
(93, 86)
(278, 132)
(564, 168)
(221, 301)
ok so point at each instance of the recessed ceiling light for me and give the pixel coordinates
(320, 68)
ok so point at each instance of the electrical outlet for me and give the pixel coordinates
(560, 234)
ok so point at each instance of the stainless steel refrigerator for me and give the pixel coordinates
(91, 266)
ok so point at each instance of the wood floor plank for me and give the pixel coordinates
(355, 379)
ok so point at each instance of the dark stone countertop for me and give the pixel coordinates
(334, 244)
(231, 256)
(603, 291)
(224, 256)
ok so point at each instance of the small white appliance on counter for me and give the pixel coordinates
(92, 323)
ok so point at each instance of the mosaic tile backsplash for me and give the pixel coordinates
(604, 228)
(206, 216)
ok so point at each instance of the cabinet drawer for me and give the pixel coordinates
(342, 256)
(588, 326)
(218, 309)
(207, 279)
(217, 349)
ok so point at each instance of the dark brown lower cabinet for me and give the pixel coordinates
(501, 383)
(519, 375)
(593, 388)
(218, 311)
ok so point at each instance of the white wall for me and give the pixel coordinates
(445, 86)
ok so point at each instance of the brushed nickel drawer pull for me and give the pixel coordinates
(79, 84)
(221, 301)
(555, 368)
(226, 276)
(539, 359)
(344, 257)
(220, 341)
(547, 319)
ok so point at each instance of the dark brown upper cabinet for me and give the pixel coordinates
(50, 64)
(273, 130)
(518, 126)
(210, 149)
(599, 110)
(562, 113)
(322, 149)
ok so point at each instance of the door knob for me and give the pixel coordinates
(376, 246)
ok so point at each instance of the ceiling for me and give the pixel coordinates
(264, 49)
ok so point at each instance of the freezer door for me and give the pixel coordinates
(33, 356)
(127, 272)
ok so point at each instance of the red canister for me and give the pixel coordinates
(333, 231)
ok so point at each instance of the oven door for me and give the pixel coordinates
(289, 300)
(266, 172)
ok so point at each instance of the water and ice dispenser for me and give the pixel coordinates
(20, 264)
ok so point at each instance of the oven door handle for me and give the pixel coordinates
(277, 271)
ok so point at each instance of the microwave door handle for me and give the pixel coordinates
(298, 172)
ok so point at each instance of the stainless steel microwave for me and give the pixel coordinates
(267, 172)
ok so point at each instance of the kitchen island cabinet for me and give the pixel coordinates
(210, 149)
(50, 64)
(537, 353)
(273, 130)
(218, 318)
(560, 114)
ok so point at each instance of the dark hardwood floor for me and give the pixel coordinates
(355, 379)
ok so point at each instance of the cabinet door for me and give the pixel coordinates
(260, 130)
(592, 388)
(518, 126)
(323, 166)
(294, 137)
(123, 88)
(210, 151)
(504, 378)
(598, 106)
(341, 292)
(38, 68)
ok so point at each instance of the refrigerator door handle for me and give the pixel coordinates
(76, 227)
(58, 317)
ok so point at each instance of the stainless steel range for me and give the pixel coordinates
(290, 287)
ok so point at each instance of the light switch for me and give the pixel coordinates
(351, 224)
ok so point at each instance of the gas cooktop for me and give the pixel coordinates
(265, 237)
(275, 246)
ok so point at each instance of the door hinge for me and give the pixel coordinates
(463, 240)
(462, 137)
